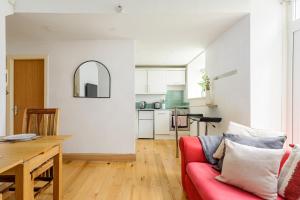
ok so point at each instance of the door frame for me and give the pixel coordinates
(10, 86)
(292, 26)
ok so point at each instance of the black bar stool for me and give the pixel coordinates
(210, 120)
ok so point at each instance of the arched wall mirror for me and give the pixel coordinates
(92, 80)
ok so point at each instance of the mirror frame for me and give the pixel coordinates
(92, 97)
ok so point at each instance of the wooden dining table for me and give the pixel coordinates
(22, 158)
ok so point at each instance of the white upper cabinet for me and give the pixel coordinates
(157, 82)
(141, 81)
(175, 77)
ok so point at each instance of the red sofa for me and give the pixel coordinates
(198, 176)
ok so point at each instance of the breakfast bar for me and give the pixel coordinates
(194, 117)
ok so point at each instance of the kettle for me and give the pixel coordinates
(143, 104)
(157, 105)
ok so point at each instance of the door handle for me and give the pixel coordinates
(15, 110)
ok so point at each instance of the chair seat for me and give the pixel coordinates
(203, 176)
(5, 187)
(210, 119)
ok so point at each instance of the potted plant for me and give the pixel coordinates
(206, 87)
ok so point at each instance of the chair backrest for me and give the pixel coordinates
(43, 122)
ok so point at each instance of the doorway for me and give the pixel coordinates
(293, 77)
(296, 88)
(26, 89)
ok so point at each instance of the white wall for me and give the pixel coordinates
(231, 51)
(133, 6)
(267, 19)
(254, 46)
(97, 125)
(5, 9)
(194, 76)
(2, 75)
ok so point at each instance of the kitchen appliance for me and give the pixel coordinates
(146, 124)
(182, 114)
(157, 105)
(142, 104)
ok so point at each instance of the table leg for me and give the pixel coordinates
(198, 128)
(176, 132)
(57, 178)
(24, 186)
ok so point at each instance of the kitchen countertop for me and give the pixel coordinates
(151, 109)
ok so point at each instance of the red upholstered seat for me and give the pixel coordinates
(202, 175)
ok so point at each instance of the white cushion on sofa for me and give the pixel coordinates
(239, 129)
(252, 169)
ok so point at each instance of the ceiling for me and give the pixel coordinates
(161, 38)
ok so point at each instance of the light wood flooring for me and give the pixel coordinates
(154, 176)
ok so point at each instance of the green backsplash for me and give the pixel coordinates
(148, 105)
(175, 98)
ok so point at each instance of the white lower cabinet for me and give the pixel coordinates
(162, 122)
(136, 124)
(146, 129)
(146, 124)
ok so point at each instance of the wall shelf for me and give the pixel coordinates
(212, 105)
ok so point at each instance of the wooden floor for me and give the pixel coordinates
(155, 175)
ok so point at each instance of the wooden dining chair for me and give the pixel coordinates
(43, 122)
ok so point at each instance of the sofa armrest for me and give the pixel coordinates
(191, 150)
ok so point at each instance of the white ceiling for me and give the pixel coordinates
(161, 38)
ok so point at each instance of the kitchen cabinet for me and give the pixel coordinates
(175, 77)
(146, 129)
(136, 124)
(141, 81)
(162, 122)
(146, 124)
(157, 82)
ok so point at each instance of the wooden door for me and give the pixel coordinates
(28, 88)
